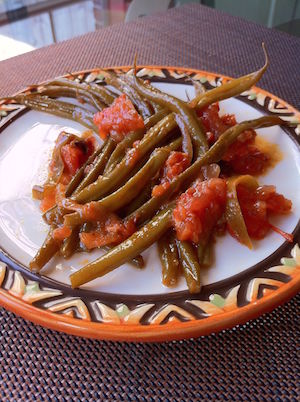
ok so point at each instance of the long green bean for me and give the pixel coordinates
(97, 167)
(69, 92)
(79, 175)
(190, 265)
(185, 115)
(58, 108)
(139, 200)
(71, 243)
(45, 253)
(208, 255)
(96, 90)
(124, 86)
(169, 258)
(129, 140)
(137, 243)
(120, 150)
(232, 88)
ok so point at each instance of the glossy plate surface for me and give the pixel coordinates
(241, 284)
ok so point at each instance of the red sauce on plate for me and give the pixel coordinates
(258, 205)
(199, 209)
(118, 119)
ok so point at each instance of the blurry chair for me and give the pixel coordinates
(141, 8)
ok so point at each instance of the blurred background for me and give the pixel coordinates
(29, 24)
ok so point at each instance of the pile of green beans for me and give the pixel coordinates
(117, 184)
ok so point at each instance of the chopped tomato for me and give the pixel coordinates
(199, 208)
(160, 189)
(176, 163)
(48, 198)
(256, 206)
(214, 123)
(76, 153)
(69, 155)
(61, 233)
(52, 194)
(242, 157)
(110, 231)
(118, 119)
(276, 203)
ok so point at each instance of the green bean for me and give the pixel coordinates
(56, 91)
(139, 200)
(205, 238)
(58, 108)
(79, 175)
(121, 148)
(201, 246)
(144, 104)
(129, 191)
(208, 255)
(124, 87)
(233, 213)
(45, 253)
(137, 261)
(190, 265)
(105, 184)
(232, 88)
(213, 155)
(186, 115)
(187, 146)
(137, 243)
(70, 244)
(155, 118)
(168, 253)
(97, 167)
(129, 139)
(96, 90)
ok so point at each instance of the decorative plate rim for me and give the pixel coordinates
(169, 321)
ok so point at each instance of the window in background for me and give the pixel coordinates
(27, 24)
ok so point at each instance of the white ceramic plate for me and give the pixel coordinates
(25, 149)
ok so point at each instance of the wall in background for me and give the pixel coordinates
(82, 16)
(266, 12)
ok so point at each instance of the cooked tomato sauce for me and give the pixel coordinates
(257, 206)
(176, 163)
(118, 119)
(75, 154)
(199, 208)
(109, 231)
(48, 199)
(215, 124)
(65, 162)
(52, 195)
(61, 233)
(243, 156)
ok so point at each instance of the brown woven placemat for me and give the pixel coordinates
(257, 361)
